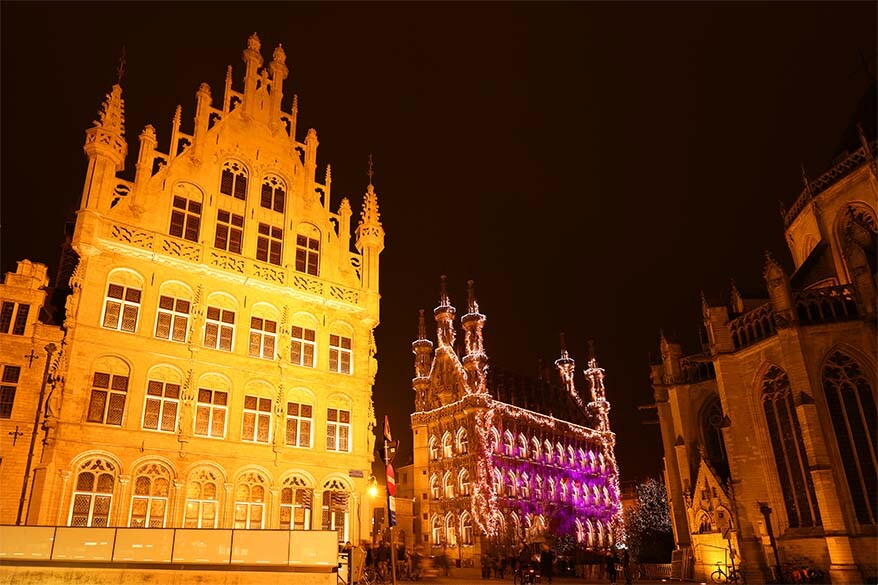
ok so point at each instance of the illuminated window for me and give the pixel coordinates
(295, 504)
(269, 244)
(508, 444)
(210, 413)
(299, 424)
(149, 501)
(172, 320)
(447, 448)
(466, 528)
(7, 390)
(340, 354)
(229, 231)
(308, 250)
(185, 218)
(536, 448)
(17, 323)
(448, 485)
(338, 430)
(93, 494)
(463, 481)
(273, 193)
(107, 402)
(303, 346)
(121, 307)
(580, 531)
(547, 450)
(559, 449)
(335, 509)
(162, 406)
(202, 499)
(250, 501)
(434, 487)
(538, 488)
(450, 530)
(233, 180)
(263, 335)
(257, 419)
(219, 328)
(436, 530)
(462, 442)
(434, 448)
(850, 398)
(512, 483)
(525, 486)
(522, 446)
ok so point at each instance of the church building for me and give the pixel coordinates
(499, 459)
(770, 433)
(215, 365)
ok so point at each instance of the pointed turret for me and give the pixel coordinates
(423, 350)
(598, 406)
(566, 367)
(444, 314)
(252, 61)
(779, 292)
(475, 361)
(370, 236)
(203, 102)
(279, 72)
(735, 299)
(344, 231)
(106, 149)
(671, 354)
(145, 158)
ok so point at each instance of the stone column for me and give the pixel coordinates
(122, 502)
(177, 504)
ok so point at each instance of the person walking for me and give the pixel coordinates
(611, 568)
(547, 559)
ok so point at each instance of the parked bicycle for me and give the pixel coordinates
(720, 576)
(371, 577)
(525, 576)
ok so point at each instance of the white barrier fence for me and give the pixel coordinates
(309, 549)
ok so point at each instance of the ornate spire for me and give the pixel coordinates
(475, 361)
(422, 327)
(444, 300)
(111, 116)
(370, 213)
(566, 367)
(771, 268)
(805, 181)
(599, 407)
(423, 350)
(444, 314)
(106, 138)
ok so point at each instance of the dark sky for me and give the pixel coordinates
(591, 166)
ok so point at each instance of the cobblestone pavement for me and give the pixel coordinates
(472, 576)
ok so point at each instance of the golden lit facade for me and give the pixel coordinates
(218, 351)
(770, 434)
(500, 459)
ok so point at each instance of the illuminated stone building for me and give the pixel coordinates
(216, 362)
(499, 459)
(770, 434)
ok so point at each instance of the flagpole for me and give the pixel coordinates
(391, 485)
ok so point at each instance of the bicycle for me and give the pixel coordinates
(528, 576)
(720, 576)
(371, 577)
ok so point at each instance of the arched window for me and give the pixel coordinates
(547, 450)
(559, 450)
(498, 482)
(512, 482)
(447, 448)
(563, 491)
(789, 450)
(308, 249)
(580, 531)
(274, 193)
(575, 492)
(186, 211)
(597, 494)
(462, 442)
(109, 390)
(704, 524)
(233, 180)
(295, 504)
(522, 446)
(450, 530)
(434, 448)
(93, 493)
(250, 501)
(335, 508)
(495, 440)
(122, 301)
(448, 485)
(202, 499)
(571, 456)
(582, 458)
(525, 486)
(172, 316)
(434, 487)
(508, 444)
(851, 402)
(711, 420)
(149, 500)
(535, 443)
(463, 482)
(436, 530)
(590, 532)
(466, 528)
(538, 488)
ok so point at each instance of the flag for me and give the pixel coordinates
(391, 477)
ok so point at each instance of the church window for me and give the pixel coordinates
(295, 504)
(789, 450)
(559, 449)
(263, 335)
(462, 442)
(522, 446)
(250, 501)
(434, 448)
(436, 530)
(447, 485)
(303, 346)
(162, 406)
(229, 231)
(340, 354)
(551, 489)
(538, 488)
(508, 444)
(450, 532)
(93, 494)
(121, 307)
(257, 419)
(498, 482)
(269, 244)
(512, 483)
(308, 250)
(219, 328)
(580, 531)
(536, 448)
(210, 413)
(273, 193)
(466, 528)
(434, 487)
(185, 218)
(7, 390)
(464, 483)
(447, 448)
(525, 486)
(338, 430)
(107, 402)
(299, 423)
(335, 509)
(547, 449)
(172, 320)
(149, 501)
(850, 398)
(6, 317)
(233, 180)
(202, 500)
(712, 438)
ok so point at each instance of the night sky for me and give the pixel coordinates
(592, 167)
